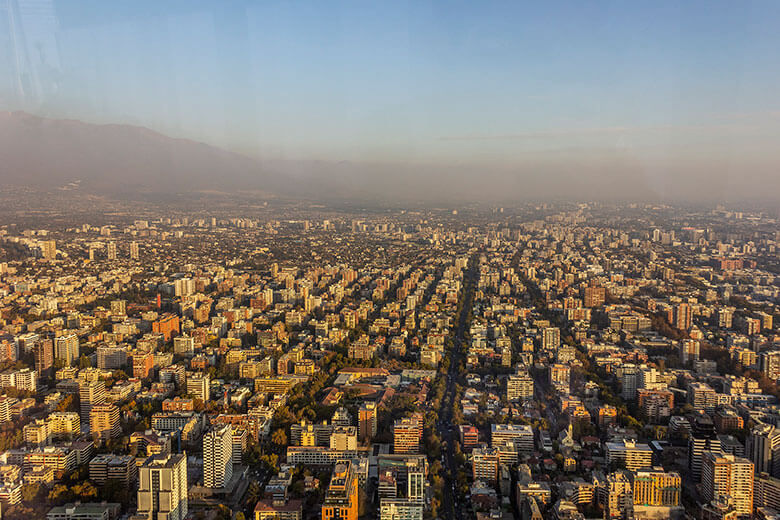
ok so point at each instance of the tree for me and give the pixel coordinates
(31, 492)
(279, 438)
(84, 362)
(60, 494)
(86, 491)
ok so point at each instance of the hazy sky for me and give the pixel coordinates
(659, 84)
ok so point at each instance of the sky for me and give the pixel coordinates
(657, 86)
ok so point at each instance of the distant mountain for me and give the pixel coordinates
(124, 161)
(116, 159)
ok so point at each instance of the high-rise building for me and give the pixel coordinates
(484, 464)
(731, 476)
(143, 364)
(162, 487)
(44, 358)
(560, 377)
(341, 499)
(702, 438)
(683, 316)
(655, 487)
(118, 468)
(111, 357)
(118, 308)
(367, 421)
(48, 249)
(770, 364)
(629, 454)
(104, 421)
(66, 349)
(111, 251)
(618, 496)
(91, 393)
(594, 296)
(134, 250)
(199, 386)
(725, 317)
(629, 381)
(218, 456)
(551, 338)
(689, 350)
(763, 449)
(64, 425)
(512, 441)
(520, 387)
(184, 345)
(766, 491)
(37, 433)
(407, 434)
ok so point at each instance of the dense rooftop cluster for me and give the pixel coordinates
(566, 362)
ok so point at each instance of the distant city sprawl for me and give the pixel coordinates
(289, 361)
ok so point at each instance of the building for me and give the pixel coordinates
(763, 449)
(551, 338)
(37, 433)
(629, 454)
(91, 393)
(162, 488)
(343, 438)
(271, 509)
(618, 496)
(367, 421)
(407, 434)
(66, 349)
(766, 491)
(721, 508)
(184, 345)
(484, 463)
(702, 438)
(199, 386)
(682, 316)
(655, 487)
(560, 377)
(48, 249)
(218, 456)
(594, 296)
(727, 475)
(702, 396)
(520, 387)
(104, 421)
(689, 350)
(111, 357)
(512, 441)
(629, 381)
(770, 364)
(167, 325)
(341, 498)
(134, 253)
(88, 511)
(44, 358)
(341, 417)
(143, 364)
(64, 425)
(469, 437)
(107, 466)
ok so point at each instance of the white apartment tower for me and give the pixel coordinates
(218, 456)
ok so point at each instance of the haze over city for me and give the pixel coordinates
(415, 100)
